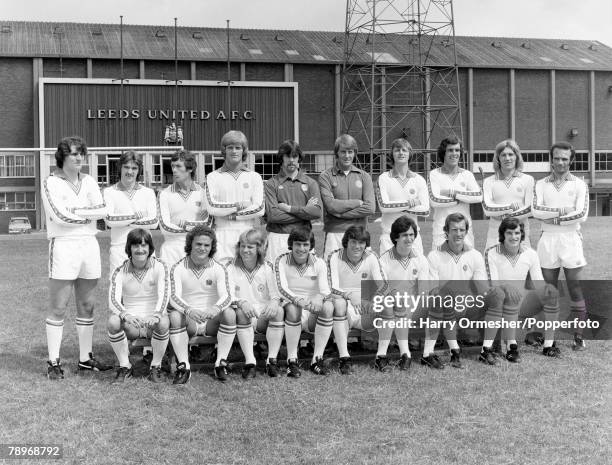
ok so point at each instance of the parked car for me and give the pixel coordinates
(19, 225)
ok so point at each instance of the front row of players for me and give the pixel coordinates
(301, 293)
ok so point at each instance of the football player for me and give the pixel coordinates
(451, 190)
(200, 296)
(302, 282)
(348, 267)
(256, 299)
(73, 202)
(234, 195)
(137, 297)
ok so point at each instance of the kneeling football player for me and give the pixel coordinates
(201, 299)
(348, 266)
(408, 272)
(302, 282)
(138, 297)
(508, 264)
(256, 301)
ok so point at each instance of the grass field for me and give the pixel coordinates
(539, 412)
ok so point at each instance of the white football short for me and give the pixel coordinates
(277, 245)
(563, 249)
(227, 240)
(172, 250)
(74, 257)
(333, 241)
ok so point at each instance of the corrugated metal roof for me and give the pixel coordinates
(78, 40)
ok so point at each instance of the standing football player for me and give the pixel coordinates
(509, 192)
(180, 207)
(73, 202)
(451, 190)
(234, 195)
(561, 202)
(292, 199)
(130, 205)
(401, 192)
(347, 193)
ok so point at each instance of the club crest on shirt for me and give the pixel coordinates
(414, 271)
(246, 185)
(209, 282)
(261, 288)
(519, 189)
(237, 287)
(412, 191)
(364, 275)
(304, 187)
(570, 193)
(313, 278)
(198, 203)
(358, 183)
(462, 184)
(465, 267)
(334, 184)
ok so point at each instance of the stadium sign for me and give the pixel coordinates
(108, 114)
(112, 113)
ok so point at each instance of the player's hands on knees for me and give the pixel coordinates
(200, 316)
(316, 304)
(270, 310)
(495, 296)
(134, 321)
(513, 295)
(248, 309)
(152, 321)
(366, 307)
(355, 302)
(303, 303)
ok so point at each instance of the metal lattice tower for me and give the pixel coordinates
(400, 76)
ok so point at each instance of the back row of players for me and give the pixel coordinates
(234, 198)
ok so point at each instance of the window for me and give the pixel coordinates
(17, 201)
(102, 171)
(17, 166)
(536, 157)
(603, 161)
(483, 157)
(580, 162)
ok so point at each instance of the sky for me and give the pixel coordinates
(549, 19)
